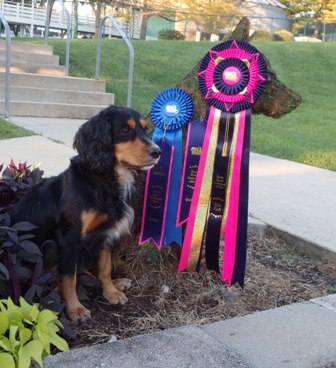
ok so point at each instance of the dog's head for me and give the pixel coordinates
(117, 135)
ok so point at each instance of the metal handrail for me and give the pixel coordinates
(46, 33)
(131, 51)
(8, 46)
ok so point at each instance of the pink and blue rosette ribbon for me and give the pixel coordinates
(232, 76)
(171, 110)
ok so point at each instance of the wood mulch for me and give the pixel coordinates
(161, 298)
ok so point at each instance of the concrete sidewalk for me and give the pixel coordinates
(299, 201)
(60, 130)
(295, 336)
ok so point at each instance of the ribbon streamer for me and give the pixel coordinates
(218, 193)
(170, 111)
(194, 142)
(156, 197)
(193, 237)
(235, 233)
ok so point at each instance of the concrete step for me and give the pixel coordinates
(24, 94)
(23, 67)
(51, 110)
(39, 87)
(54, 82)
(30, 57)
(17, 46)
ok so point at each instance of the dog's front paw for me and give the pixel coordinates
(122, 284)
(115, 296)
(77, 312)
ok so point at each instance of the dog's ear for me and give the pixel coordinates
(94, 142)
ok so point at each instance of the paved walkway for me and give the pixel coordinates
(297, 200)
(301, 335)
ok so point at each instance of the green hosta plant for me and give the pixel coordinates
(26, 334)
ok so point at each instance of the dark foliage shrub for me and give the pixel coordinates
(171, 34)
(27, 270)
(283, 35)
(261, 35)
(22, 271)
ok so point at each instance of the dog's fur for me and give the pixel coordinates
(86, 209)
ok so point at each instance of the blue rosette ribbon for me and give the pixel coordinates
(171, 110)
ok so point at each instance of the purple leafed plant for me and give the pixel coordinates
(24, 268)
(16, 180)
(22, 271)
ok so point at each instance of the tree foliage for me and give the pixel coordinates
(208, 15)
(212, 16)
(322, 10)
(313, 11)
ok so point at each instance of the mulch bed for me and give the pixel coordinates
(161, 298)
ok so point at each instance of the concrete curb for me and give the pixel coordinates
(300, 335)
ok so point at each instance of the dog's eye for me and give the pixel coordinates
(126, 129)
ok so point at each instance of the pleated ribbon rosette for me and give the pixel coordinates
(171, 110)
(232, 76)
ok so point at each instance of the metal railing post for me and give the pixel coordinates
(131, 52)
(7, 82)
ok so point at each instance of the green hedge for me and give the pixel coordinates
(171, 34)
(283, 35)
(261, 35)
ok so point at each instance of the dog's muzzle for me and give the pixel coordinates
(154, 151)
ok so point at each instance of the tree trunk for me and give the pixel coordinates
(144, 24)
(97, 11)
(50, 4)
(75, 19)
(316, 30)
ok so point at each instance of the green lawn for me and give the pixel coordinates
(306, 135)
(9, 130)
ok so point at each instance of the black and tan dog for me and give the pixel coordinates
(86, 209)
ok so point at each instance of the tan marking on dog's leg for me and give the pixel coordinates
(110, 292)
(75, 310)
(91, 220)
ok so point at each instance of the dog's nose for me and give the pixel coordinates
(155, 151)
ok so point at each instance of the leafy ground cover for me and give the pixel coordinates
(305, 135)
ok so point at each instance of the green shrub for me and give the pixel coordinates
(261, 35)
(26, 334)
(171, 34)
(283, 35)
